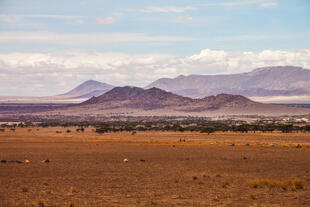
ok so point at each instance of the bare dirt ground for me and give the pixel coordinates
(87, 169)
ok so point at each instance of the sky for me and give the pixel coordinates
(49, 47)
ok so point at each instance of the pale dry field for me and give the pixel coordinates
(87, 169)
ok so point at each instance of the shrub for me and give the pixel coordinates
(225, 184)
(294, 184)
(25, 188)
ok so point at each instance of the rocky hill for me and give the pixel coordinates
(154, 98)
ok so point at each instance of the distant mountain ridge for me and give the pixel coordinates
(88, 89)
(134, 101)
(267, 81)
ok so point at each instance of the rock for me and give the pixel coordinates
(125, 160)
(46, 161)
(142, 160)
(232, 144)
(27, 161)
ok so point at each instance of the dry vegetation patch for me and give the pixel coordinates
(293, 184)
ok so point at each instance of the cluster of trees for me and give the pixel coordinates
(203, 126)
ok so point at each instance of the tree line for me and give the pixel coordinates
(203, 126)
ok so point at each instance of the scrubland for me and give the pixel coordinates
(88, 169)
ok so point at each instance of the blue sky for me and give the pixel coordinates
(161, 36)
(222, 25)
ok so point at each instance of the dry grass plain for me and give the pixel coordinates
(87, 169)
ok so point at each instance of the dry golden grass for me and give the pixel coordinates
(157, 137)
(294, 184)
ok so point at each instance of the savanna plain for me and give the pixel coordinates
(152, 168)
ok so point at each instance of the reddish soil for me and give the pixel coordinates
(92, 173)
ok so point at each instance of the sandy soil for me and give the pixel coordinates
(87, 169)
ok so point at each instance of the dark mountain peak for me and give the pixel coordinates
(121, 93)
(224, 97)
(155, 98)
(134, 94)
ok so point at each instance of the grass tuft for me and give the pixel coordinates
(294, 184)
(225, 184)
(25, 189)
(41, 203)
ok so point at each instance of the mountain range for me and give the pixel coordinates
(134, 101)
(267, 81)
(260, 84)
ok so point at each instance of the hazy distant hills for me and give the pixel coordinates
(287, 84)
(80, 93)
(134, 101)
(267, 81)
(88, 89)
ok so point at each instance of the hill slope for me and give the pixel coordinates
(133, 101)
(88, 89)
(267, 81)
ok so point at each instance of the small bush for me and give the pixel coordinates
(252, 197)
(25, 188)
(294, 184)
(41, 203)
(225, 184)
(195, 177)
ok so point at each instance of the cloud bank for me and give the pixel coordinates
(85, 38)
(261, 3)
(54, 73)
(163, 9)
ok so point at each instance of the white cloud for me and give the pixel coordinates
(105, 20)
(251, 37)
(268, 4)
(23, 19)
(261, 3)
(162, 9)
(58, 72)
(185, 18)
(38, 16)
(84, 38)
